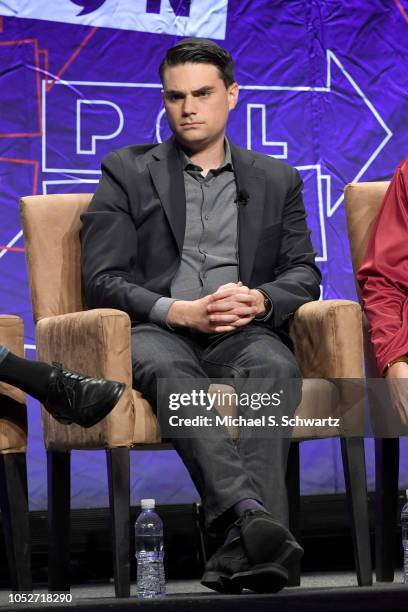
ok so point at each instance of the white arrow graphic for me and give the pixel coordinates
(331, 58)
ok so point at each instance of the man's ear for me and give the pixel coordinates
(233, 92)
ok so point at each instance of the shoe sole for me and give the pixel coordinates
(221, 583)
(107, 408)
(263, 543)
(262, 578)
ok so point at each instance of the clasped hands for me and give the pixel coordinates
(232, 306)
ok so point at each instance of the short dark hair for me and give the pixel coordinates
(200, 51)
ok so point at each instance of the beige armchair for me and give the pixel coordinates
(363, 201)
(13, 468)
(328, 342)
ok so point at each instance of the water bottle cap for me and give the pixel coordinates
(147, 503)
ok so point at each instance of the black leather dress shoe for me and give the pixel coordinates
(74, 398)
(264, 539)
(229, 571)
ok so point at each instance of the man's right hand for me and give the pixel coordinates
(194, 314)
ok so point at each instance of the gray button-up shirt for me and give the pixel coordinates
(210, 251)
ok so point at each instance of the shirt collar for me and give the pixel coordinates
(188, 164)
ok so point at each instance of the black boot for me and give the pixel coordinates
(74, 398)
(230, 571)
(264, 539)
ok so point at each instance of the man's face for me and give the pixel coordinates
(197, 103)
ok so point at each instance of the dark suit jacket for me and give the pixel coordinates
(133, 232)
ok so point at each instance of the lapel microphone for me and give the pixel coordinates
(242, 197)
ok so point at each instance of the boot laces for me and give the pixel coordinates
(66, 381)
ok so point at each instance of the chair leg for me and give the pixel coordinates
(14, 509)
(59, 493)
(386, 506)
(119, 503)
(293, 488)
(352, 450)
(202, 554)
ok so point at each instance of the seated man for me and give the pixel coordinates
(68, 396)
(205, 246)
(383, 278)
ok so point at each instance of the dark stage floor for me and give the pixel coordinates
(318, 593)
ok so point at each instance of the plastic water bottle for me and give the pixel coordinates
(404, 529)
(149, 552)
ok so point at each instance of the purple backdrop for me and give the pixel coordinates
(323, 85)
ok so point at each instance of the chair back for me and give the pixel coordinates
(51, 225)
(363, 202)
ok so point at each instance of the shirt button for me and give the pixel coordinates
(206, 217)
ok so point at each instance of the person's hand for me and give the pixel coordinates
(397, 378)
(194, 314)
(235, 305)
(232, 306)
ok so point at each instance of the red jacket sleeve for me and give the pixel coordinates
(383, 275)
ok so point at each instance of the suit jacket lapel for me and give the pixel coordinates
(250, 216)
(167, 175)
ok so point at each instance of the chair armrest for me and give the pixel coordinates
(13, 413)
(97, 343)
(12, 333)
(94, 342)
(328, 339)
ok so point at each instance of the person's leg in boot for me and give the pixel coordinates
(68, 396)
(258, 362)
